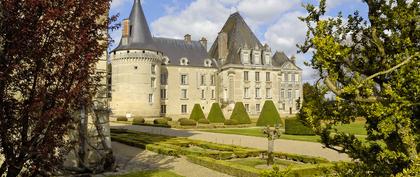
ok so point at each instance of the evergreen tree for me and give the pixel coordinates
(240, 114)
(197, 113)
(269, 115)
(216, 114)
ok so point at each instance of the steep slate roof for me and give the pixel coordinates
(280, 58)
(140, 37)
(176, 49)
(239, 36)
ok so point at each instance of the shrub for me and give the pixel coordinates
(160, 121)
(122, 119)
(168, 118)
(240, 114)
(187, 122)
(231, 122)
(138, 120)
(269, 115)
(294, 126)
(203, 121)
(216, 114)
(197, 113)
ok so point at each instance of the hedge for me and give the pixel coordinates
(294, 126)
(203, 121)
(231, 122)
(123, 119)
(138, 120)
(269, 115)
(187, 122)
(240, 114)
(160, 122)
(167, 118)
(300, 158)
(216, 114)
(197, 113)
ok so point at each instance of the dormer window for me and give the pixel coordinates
(267, 58)
(184, 62)
(245, 56)
(207, 63)
(256, 57)
(165, 61)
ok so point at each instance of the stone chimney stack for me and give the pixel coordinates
(125, 31)
(187, 38)
(293, 59)
(222, 42)
(203, 42)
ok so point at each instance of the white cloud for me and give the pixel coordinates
(265, 10)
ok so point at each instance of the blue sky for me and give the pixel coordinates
(273, 21)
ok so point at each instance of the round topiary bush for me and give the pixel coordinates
(231, 122)
(240, 114)
(138, 120)
(203, 121)
(124, 119)
(269, 115)
(294, 126)
(216, 114)
(197, 113)
(160, 122)
(187, 122)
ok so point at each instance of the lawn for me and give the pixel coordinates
(356, 128)
(153, 173)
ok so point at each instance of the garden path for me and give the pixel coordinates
(131, 159)
(287, 146)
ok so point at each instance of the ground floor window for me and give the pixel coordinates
(163, 109)
(247, 107)
(283, 106)
(150, 98)
(183, 108)
(257, 107)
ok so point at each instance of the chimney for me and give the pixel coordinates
(187, 38)
(125, 31)
(222, 44)
(293, 59)
(203, 42)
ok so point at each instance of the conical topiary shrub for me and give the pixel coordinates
(239, 113)
(269, 115)
(197, 113)
(216, 114)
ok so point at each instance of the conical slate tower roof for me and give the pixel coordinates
(139, 35)
(239, 36)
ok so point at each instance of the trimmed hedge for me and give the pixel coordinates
(294, 126)
(216, 114)
(168, 118)
(122, 119)
(203, 121)
(231, 122)
(138, 120)
(300, 158)
(240, 114)
(269, 115)
(197, 113)
(187, 122)
(160, 122)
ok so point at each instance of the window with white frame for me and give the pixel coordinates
(257, 76)
(246, 76)
(293, 77)
(247, 107)
(152, 82)
(184, 94)
(297, 77)
(285, 77)
(150, 98)
(257, 107)
(184, 109)
(213, 94)
(164, 79)
(297, 93)
(282, 94)
(213, 80)
(163, 109)
(153, 69)
(184, 79)
(257, 93)
(203, 94)
(268, 92)
(268, 76)
(163, 94)
(289, 94)
(246, 92)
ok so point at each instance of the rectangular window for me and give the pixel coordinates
(257, 93)
(150, 98)
(293, 77)
(289, 94)
(203, 80)
(212, 80)
(164, 79)
(163, 94)
(246, 74)
(246, 92)
(297, 93)
(257, 107)
(184, 94)
(184, 109)
(267, 77)
(247, 107)
(213, 95)
(184, 79)
(282, 94)
(203, 94)
(163, 109)
(152, 82)
(285, 77)
(153, 69)
(289, 78)
(297, 77)
(284, 106)
(257, 76)
(268, 92)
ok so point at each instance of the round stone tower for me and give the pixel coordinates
(136, 69)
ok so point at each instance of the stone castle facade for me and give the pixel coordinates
(154, 77)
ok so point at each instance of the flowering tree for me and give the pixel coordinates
(372, 67)
(48, 53)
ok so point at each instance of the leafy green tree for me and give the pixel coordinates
(269, 115)
(197, 113)
(216, 114)
(240, 114)
(372, 67)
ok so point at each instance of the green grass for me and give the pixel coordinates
(153, 173)
(356, 128)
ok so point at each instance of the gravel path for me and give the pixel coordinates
(130, 159)
(288, 146)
